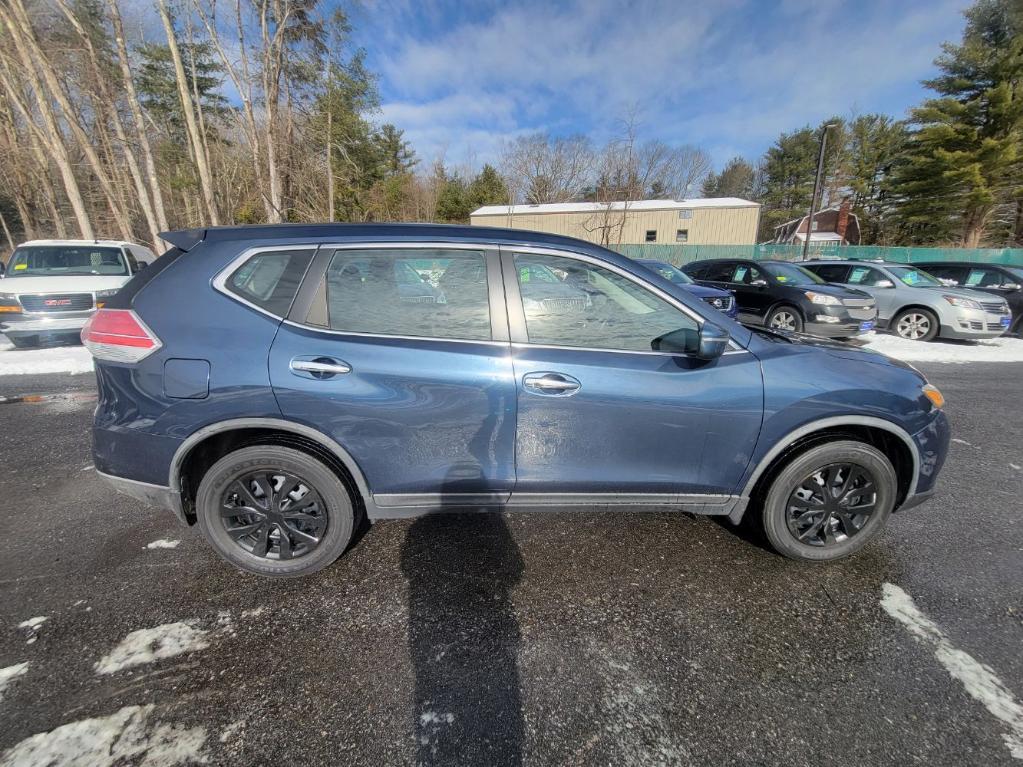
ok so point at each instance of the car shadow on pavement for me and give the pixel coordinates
(464, 639)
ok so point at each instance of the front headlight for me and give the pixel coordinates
(963, 303)
(9, 303)
(823, 299)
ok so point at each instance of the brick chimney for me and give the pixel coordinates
(843, 218)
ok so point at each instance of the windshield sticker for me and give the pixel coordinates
(911, 278)
(781, 278)
(858, 274)
(740, 274)
(19, 267)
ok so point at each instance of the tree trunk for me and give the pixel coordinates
(53, 138)
(24, 38)
(201, 160)
(330, 166)
(136, 115)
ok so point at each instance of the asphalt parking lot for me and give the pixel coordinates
(562, 639)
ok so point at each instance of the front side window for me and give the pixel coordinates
(423, 293)
(746, 274)
(270, 280)
(830, 272)
(595, 307)
(789, 274)
(915, 278)
(985, 278)
(865, 275)
(59, 260)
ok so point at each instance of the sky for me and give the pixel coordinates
(463, 78)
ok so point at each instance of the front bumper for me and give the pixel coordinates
(840, 321)
(151, 495)
(976, 324)
(34, 324)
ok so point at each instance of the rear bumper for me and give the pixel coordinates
(151, 495)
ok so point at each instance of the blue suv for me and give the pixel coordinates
(277, 384)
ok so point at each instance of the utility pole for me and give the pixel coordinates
(816, 189)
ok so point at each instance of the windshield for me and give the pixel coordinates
(1017, 273)
(53, 260)
(669, 272)
(914, 277)
(789, 274)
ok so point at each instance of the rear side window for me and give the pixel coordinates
(424, 293)
(719, 272)
(865, 275)
(830, 272)
(270, 280)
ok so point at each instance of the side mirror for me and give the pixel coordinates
(884, 284)
(1006, 286)
(713, 341)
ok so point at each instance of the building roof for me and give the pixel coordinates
(595, 207)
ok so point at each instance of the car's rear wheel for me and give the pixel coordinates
(916, 325)
(830, 501)
(275, 511)
(24, 342)
(785, 318)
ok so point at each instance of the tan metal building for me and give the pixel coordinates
(710, 221)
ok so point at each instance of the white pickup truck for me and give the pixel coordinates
(50, 287)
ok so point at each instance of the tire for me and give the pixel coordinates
(916, 325)
(832, 539)
(328, 518)
(24, 342)
(785, 318)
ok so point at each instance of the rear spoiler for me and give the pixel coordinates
(184, 239)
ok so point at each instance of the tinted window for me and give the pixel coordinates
(423, 293)
(270, 280)
(594, 307)
(830, 272)
(51, 260)
(865, 275)
(719, 272)
(954, 273)
(746, 274)
(985, 278)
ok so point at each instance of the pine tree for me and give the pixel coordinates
(964, 159)
(735, 180)
(487, 188)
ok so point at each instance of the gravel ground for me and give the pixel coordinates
(560, 639)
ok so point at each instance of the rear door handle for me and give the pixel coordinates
(319, 368)
(550, 384)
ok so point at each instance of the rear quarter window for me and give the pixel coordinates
(270, 280)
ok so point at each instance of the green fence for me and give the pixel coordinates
(684, 254)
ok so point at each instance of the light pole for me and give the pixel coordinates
(816, 188)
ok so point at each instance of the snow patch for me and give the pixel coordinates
(163, 543)
(231, 730)
(255, 612)
(125, 736)
(59, 359)
(961, 441)
(979, 680)
(152, 644)
(1015, 466)
(32, 627)
(9, 674)
(993, 350)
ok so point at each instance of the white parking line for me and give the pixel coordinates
(978, 680)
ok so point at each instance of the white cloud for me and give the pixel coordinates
(723, 74)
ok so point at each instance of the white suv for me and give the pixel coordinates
(50, 287)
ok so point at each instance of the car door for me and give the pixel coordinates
(753, 289)
(601, 415)
(418, 391)
(879, 285)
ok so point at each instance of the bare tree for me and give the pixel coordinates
(548, 169)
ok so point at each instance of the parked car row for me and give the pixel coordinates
(51, 287)
(845, 298)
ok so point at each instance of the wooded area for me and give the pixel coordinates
(250, 111)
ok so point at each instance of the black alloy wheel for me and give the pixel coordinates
(275, 511)
(832, 504)
(829, 501)
(273, 514)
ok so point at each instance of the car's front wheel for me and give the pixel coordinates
(830, 501)
(916, 325)
(275, 511)
(785, 318)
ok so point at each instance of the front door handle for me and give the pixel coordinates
(320, 368)
(550, 384)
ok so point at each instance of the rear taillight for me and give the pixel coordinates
(118, 335)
